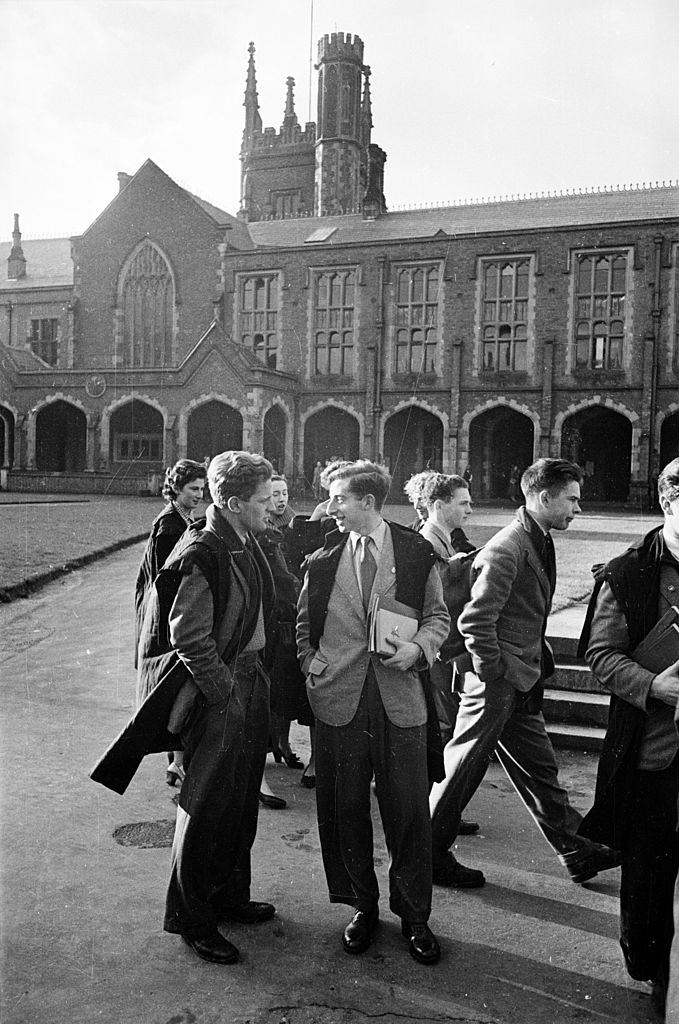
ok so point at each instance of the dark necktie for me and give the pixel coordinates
(550, 561)
(368, 570)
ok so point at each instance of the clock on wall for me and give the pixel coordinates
(95, 385)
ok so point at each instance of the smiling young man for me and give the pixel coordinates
(201, 682)
(371, 712)
(514, 576)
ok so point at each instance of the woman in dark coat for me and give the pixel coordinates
(183, 490)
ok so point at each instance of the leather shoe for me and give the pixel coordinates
(358, 933)
(275, 802)
(589, 863)
(249, 913)
(213, 947)
(422, 943)
(453, 875)
(467, 828)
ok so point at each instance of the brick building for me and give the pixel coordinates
(316, 322)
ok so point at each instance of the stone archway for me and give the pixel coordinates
(329, 433)
(212, 428)
(136, 436)
(6, 438)
(274, 437)
(669, 439)
(499, 439)
(60, 438)
(413, 441)
(600, 441)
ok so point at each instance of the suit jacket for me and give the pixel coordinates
(336, 670)
(503, 624)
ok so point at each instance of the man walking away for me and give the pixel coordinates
(504, 624)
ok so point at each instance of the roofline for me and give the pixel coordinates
(442, 236)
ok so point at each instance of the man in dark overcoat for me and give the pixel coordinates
(635, 806)
(202, 687)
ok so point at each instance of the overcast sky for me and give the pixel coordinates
(471, 98)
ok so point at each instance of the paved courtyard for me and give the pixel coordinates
(82, 901)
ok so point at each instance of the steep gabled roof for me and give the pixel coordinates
(48, 264)
(239, 237)
(541, 212)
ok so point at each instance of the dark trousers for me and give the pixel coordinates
(446, 698)
(224, 752)
(346, 758)
(491, 718)
(649, 869)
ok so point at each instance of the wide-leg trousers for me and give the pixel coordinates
(650, 858)
(346, 758)
(224, 752)
(490, 718)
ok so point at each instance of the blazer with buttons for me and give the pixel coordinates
(336, 664)
(503, 623)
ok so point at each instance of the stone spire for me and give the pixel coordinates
(253, 121)
(290, 118)
(16, 261)
(366, 109)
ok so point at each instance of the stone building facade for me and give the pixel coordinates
(317, 323)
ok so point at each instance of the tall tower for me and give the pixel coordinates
(344, 124)
(277, 167)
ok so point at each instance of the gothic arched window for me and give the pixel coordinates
(147, 301)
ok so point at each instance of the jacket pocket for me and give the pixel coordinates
(317, 665)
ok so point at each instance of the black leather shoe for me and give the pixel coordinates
(277, 803)
(213, 947)
(453, 875)
(422, 943)
(467, 828)
(249, 913)
(590, 863)
(358, 933)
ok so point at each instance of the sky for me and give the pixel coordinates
(471, 98)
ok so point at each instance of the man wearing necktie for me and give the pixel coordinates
(371, 712)
(503, 625)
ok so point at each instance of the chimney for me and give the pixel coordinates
(16, 261)
(123, 180)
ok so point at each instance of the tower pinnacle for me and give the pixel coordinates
(253, 121)
(16, 261)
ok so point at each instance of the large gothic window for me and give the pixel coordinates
(147, 300)
(417, 302)
(334, 322)
(258, 317)
(600, 294)
(504, 315)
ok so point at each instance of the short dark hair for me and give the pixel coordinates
(182, 473)
(364, 478)
(442, 486)
(668, 481)
(279, 476)
(236, 474)
(550, 475)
